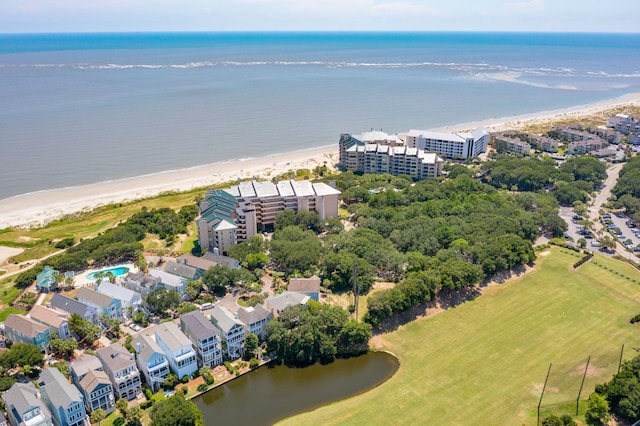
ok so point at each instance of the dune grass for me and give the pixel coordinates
(484, 362)
(38, 241)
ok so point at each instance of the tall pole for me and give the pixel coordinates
(582, 384)
(356, 288)
(621, 352)
(542, 394)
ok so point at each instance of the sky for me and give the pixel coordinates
(25, 16)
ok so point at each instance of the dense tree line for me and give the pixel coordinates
(573, 181)
(627, 189)
(622, 393)
(302, 335)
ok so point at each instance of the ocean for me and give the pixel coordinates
(85, 108)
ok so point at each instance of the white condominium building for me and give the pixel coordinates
(236, 214)
(457, 146)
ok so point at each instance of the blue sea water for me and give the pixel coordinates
(84, 108)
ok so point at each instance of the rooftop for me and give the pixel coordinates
(171, 335)
(181, 270)
(115, 357)
(119, 292)
(24, 325)
(49, 316)
(166, 278)
(290, 188)
(85, 363)
(146, 346)
(93, 379)
(304, 285)
(61, 393)
(285, 299)
(94, 297)
(68, 305)
(223, 319)
(198, 325)
(253, 314)
(23, 397)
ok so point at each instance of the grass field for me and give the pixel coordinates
(484, 362)
(85, 225)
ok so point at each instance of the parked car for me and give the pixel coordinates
(595, 244)
(135, 327)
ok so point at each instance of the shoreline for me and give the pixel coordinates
(38, 208)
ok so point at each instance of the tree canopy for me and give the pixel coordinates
(176, 411)
(302, 335)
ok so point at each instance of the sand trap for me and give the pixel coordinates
(7, 252)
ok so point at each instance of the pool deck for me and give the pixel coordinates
(81, 280)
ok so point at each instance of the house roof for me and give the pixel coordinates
(253, 314)
(61, 393)
(181, 270)
(69, 305)
(52, 317)
(24, 325)
(118, 292)
(85, 363)
(171, 335)
(46, 277)
(22, 397)
(115, 357)
(197, 325)
(196, 262)
(304, 285)
(93, 379)
(223, 319)
(94, 297)
(285, 299)
(167, 279)
(147, 346)
(222, 260)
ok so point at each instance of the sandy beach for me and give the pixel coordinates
(40, 207)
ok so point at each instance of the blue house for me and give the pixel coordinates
(64, 400)
(46, 280)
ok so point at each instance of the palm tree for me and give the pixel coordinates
(111, 277)
(98, 276)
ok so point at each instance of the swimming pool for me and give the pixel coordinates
(120, 270)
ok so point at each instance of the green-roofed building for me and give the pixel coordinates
(46, 280)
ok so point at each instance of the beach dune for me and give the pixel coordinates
(40, 207)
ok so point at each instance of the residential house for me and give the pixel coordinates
(169, 281)
(20, 329)
(120, 366)
(141, 283)
(73, 306)
(285, 299)
(208, 261)
(57, 321)
(24, 406)
(3, 420)
(205, 338)
(98, 391)
(46, 280)
(231, 330)
(64, 400)
(255, 319)
(177, 348)
(104, 304)
(307, 286)
(87, 373)
(130, 300)
(151, 360)
(585, 146)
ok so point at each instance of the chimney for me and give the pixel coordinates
(236, 316)
(138, 347)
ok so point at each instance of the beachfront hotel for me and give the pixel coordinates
(416, 153)
(238, 213)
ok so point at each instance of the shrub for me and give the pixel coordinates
(254, 363)
(185, 379)
(635, 319)
(202, 387)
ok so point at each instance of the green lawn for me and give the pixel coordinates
(484, 362)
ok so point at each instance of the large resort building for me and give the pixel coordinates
(416, 153)
(236, 214)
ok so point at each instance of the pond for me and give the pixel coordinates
(269, 394)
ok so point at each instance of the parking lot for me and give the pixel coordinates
(626, 232)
